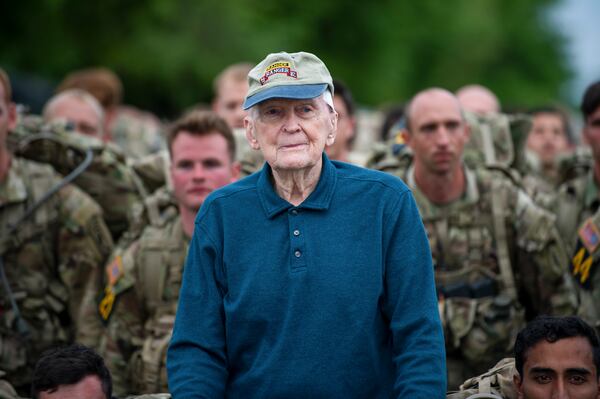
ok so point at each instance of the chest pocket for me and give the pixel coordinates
(463, 248)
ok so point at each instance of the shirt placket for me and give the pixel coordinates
(297, 242)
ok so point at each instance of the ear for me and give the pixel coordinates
(251, 133)
(235, 171)
(406, 137)
(333, 128)
(12, 116)
(467, 131)
(518, 383)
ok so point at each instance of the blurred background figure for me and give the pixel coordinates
(136, 132)
(77, 108)
(478, 99)
(346, 128)
(549, 138)
(230, 88)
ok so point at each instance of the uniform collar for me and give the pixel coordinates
(319, 199)
(13, 189)
(470, 196)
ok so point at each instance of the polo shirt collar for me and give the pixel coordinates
(319, 199)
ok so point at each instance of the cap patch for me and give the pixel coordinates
(278, 67)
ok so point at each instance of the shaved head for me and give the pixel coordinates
(424, 99)
(478, 99)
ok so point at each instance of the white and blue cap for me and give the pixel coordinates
(295, 76)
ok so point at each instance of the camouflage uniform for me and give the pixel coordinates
(47, 260)
(496, 383)
(108, 180)
(578, 219)
(139, 300)
(497, 256)
(136, 133)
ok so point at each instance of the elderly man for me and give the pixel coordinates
(310, 278)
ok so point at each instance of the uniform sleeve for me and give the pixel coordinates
(542, 259)
(84, 243)
(196, 358)
(411, 306)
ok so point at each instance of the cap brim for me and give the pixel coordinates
(295, 92)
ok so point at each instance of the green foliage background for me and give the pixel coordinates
(167, 52)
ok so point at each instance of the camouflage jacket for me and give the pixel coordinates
(578, 213)
(138, 304)
(497, 383)
(482, 305)
(136, 133)
(109, 180)
(48, 260)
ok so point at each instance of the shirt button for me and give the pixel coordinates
(294, 212)
(297, 254)
(296, 233)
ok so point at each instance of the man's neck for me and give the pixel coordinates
(188, 217)
(4, 163)
(441, 189)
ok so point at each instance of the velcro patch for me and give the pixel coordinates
(582, 266)
(278, 67)
(590, 235)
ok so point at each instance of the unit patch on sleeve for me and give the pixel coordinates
(114, 271)
(582, 265)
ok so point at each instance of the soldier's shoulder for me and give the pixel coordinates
(496, 381)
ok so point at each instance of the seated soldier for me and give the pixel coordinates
(74, 372)
(555, 357)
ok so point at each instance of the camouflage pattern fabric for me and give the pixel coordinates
(136, 133)
(48, 263)
(137, 302)
(496, 383)
(149, 396)
(480, 318)
(584, 240)
(108, 180)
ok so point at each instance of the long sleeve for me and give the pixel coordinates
(411, 306)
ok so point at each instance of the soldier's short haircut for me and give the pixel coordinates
(408, 107)
(67, 366)
(101, 83)
(79, 94)
(552, 329)
(202, 123)
(5, 81)
(555, 110)
(591, 100)
(236, 72)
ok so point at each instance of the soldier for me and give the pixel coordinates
(143, 280)
(578, 215)
(52, 238)
(137, 133)
(478, 99)
(341, 149)
(77, 108)
(74, 372)
(555, 357)
(497, 256)
(230, 88)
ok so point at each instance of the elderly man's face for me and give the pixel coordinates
(438, 132)
(547, 137)
(563, 370)
(76, 111)
(291, 134)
